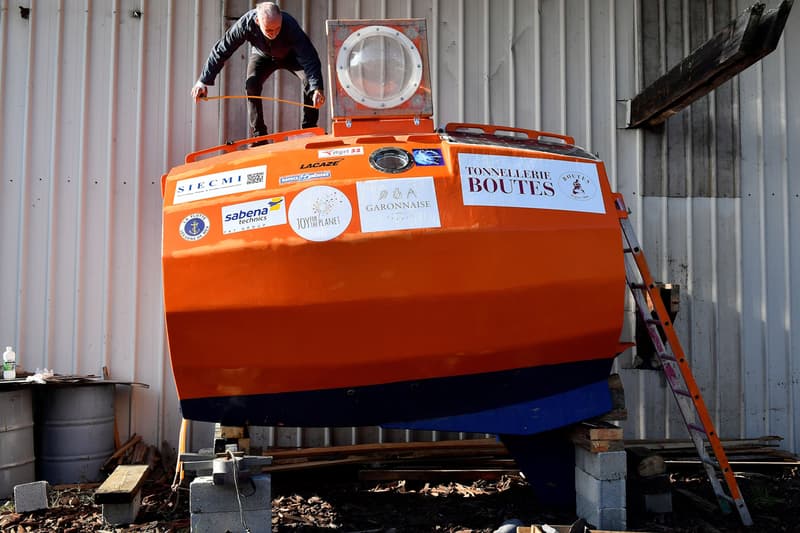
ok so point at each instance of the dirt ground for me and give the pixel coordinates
(333, 500)
(773, 497)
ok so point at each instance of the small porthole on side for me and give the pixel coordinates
(391, 160)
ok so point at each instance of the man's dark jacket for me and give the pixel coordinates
(292, 44)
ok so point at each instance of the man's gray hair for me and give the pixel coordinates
(267, 10)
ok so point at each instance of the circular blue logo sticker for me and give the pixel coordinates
(194, 227)
(428, 157)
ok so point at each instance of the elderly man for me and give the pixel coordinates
(277, 42)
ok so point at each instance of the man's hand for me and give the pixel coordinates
(200, 90)
(318, 98)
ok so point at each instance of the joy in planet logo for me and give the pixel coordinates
(320, 213)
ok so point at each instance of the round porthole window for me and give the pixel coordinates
(379, 67)
(391, 160)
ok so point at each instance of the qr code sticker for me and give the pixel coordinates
(256, 177)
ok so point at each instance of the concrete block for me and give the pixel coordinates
(122, 513)
(600, 493)
(602, 465)
(30, 496)
(205, 497)
(614, 519)
(215, 508)
(257, 522)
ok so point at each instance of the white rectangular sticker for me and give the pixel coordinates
(220, 184)
(306, 176)
(505, 181)
(339, 152)
(394, 204)
(254, 215)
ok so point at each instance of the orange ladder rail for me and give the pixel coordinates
(676, 370)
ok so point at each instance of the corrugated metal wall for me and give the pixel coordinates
(89, 123)
(719, 214)
(770, 235)
(95, 107)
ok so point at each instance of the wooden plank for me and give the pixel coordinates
(667, 444)
(133, 441)
(482, 451)
(122, 485)
(139, 451)
(597, 436)
(744, 41)
(749, 450)
(597, 431)
(598, 446)
(439, 457)
(697, 462)
(615, 415)
(434, 474)
(305, 465)
(466, 446)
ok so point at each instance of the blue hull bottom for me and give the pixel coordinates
(521, 401)
(525, 418)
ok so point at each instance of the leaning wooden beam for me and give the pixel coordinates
(748, 38)
(135, 439)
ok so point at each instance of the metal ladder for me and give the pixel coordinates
(677, 371)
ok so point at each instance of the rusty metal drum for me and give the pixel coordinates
(17, 459)
(75, 432)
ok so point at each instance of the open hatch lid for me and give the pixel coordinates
(378, 71)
